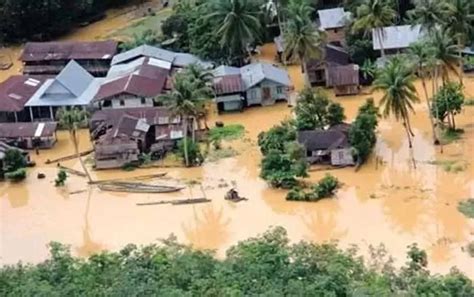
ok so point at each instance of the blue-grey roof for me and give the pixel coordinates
(468, 51)
(255, 73)
(397, 37)
(72, 86)
(177, 59)
(332, 18)
(225, 70)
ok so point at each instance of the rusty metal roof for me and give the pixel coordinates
(69, 50)
(228, 84)
(27, 130)
(17, 90)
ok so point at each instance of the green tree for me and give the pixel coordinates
(445, 54)
(447, 103)
(362, 135)
(72, 120)
(423, 55)
(277, 137)
(302, 40)
(374, 15)
(61, 178)
(429, 14)
(335, 114)
(311, 109)
(461, 18)
(13, 160)
(396, 81)
(191, 151)
(238, 25)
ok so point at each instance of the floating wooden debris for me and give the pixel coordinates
(77, 192)
(128, 187)
(73, 171)
(70, 157)
(140, 177)
(176, 202)
(233, 195)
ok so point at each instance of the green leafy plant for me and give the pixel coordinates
(61, 178)
(227, 132)
(16, 175)
(325, 188)
(193, 151)
(466, 207)
(14, 159)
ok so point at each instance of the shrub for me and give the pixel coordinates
(17, 175)
(14, 160)
(325, 187)
(194, 152)
(470, 248)
(228, 132)
(467, 208)
(61, 178)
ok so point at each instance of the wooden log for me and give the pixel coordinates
(73, 171)
(70, 157)
(118, 180)
(137, 188)
(176, 202)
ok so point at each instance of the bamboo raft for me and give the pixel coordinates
(127, 187)
(121, 180)
(177, 202)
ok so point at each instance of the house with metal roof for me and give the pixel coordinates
(395, 39)
(333, 21)
(72, 87)
(14, 93)
(135, 84)
(50, 58)
(177, 60)
(253, 84)
(29, 135)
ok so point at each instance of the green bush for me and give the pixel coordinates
(194, 152)
(470, 248)
(323, 189)
(61, 178)
(14, 160)
(467, 208)
(17, 175)
(228, 132)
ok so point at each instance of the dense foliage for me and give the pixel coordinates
(466, 207)
(13, 160)
(325, 188)
(190, 150)
(60, 178)
(314, 110)
(362, 132)
(447, 103)
(42, 20)
(264, 266)
(16, 175)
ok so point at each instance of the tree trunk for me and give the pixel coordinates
(461, 61)
(430, 115)
(435, 90)
(193, 130)
(410, 145)
(380, 34)
(78, 155)
(307, 83)
(185, 141)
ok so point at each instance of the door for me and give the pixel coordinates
(266, 96)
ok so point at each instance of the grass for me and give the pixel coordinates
(223, 153)
(466, 207)
(451, 135)
(229, 132)
(469, 102)
(470, 249)
(453, 166)
(151, 22)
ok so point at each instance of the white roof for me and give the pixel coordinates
(254, 74)
(72, 86)
(397, 37)
(332, 18)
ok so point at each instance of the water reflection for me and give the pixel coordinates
(89, 246)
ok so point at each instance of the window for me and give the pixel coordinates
(143, 101)
(340, 154)
(253, 94)
(319, 75)
(122, 103)
(279, 90)
(107, 103)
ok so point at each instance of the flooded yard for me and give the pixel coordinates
(386, 202)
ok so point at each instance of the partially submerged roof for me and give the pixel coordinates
(332, 56)
(176, 59)
(69, 50)
(147, 79)
(315, 140)
(396, 37)
(343, 75)
(17, 90)
(72, 86)
(27, 130)
(4, 147)
(228, 84)
(152, 115)
(130, 126)
(332, 18)
(255, 73)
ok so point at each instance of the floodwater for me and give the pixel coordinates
(386, 202)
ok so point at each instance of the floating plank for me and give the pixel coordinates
(127, 187)
(70, 157)
(176, 202)
(73, 171)
(118, 180)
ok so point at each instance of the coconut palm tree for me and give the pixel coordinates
(461, 17)
(185, 101)
(72, 120)
(302, 40)
(396, 81)
(430, 14)
(239, 24)
(422, 56)
(374, 15)
(445, 53)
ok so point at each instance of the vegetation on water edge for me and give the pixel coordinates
(325, 188)
(466, 207)
(267, 265)
(16, 175)
(61, 178)
(227, 132)
(470, 248)
(449, 135)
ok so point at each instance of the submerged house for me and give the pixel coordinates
(151, 130)
(344, 79)
(50, 58)
(73, 87)
(254, 84)
(327, 146)
(333, 21)
(14, 93)
(29, 135)
(134, 84)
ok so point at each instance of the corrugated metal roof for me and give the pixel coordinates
(254, 74)
(396, 37)
(228, 84)
(69, 50)
(225, 70)
(73, 86)
(332, 18)
(27, 130)
(314, 140)
(17, 90)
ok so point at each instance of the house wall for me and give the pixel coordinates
(342, 157)
(336, 36)
(346, 90)
(277, 92)
(127, 101)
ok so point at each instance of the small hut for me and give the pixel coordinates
(344, 79)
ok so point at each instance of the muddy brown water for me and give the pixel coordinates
(386, 201)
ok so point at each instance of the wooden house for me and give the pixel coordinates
(29, 135)
(344, 79)
(327, 146)
(50, 58)
(254, 84)
(333, 21)
(318, 69)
